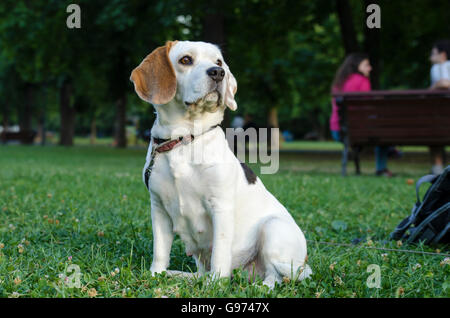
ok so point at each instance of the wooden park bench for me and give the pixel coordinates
(389, 118)
(24, 137)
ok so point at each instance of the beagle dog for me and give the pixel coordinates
(198, 188)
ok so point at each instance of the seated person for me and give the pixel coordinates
(440, 71)
(440, 79)
(353, 76)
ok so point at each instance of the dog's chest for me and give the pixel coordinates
(181, 189)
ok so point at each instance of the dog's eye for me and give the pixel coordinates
(219, 62)
(186, 60)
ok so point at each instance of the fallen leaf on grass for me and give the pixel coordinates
(17, 280)
(400, 292)
(92, 292)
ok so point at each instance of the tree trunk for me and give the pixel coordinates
(42, 117)
(67, 114)
(93, 137)
(25, 112)
(272, 120)
(372, 44)
(347, 28)
(25, 115)
(5, 120)
(119, 93)
(214, 28)
(120, 129)
(214, 32)
(272, 117)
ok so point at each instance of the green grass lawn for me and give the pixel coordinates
(333, 145)
(300, 145)
(88, 206)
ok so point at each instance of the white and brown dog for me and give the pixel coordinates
(219, 208)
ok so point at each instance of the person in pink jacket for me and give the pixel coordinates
(353, 76)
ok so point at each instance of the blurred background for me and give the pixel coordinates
(71, 86)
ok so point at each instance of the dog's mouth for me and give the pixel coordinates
(213, 98)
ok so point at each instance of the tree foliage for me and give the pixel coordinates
(283, 53)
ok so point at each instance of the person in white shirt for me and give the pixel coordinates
(440, 71)
(238, 122)
(440, 79)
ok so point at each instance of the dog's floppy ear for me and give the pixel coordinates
(154, 79)
(230, 90)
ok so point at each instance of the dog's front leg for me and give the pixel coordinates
(162, 238)
(223, 229)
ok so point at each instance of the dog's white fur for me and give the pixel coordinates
(224, 221)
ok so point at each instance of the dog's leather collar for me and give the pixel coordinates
(163, 145)
(168, 144)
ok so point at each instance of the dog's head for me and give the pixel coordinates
(193, 73)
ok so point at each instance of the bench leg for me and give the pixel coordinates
(444, 157)
(345, 157)
(357, 152)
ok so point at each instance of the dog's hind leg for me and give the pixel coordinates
(283, 251)
(271, 277)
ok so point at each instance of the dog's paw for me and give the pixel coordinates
(216, 276)
(213, 278)
(270, 282)
(155, 271)
(305, 273)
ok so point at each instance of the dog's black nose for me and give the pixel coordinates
(216, 73)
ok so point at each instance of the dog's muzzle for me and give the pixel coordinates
(212, 97)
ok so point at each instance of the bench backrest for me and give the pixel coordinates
(415, 117)
(25, 137)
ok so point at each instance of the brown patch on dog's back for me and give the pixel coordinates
(249, 174)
